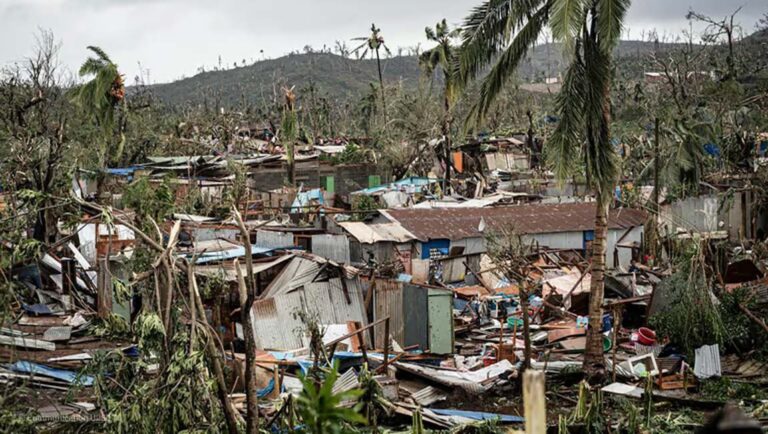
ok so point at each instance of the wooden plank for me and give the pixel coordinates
(27, 343)
(534, 402)
(558, 335)
(575, 344)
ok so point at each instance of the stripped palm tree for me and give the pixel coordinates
(101, 95)
(444, 56)
(499, 33)
(289, 133)
(372, 44)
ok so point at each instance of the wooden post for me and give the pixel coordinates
(386, 346)
(68, 276)
(534, 400)
(104, 289)
(616, 327)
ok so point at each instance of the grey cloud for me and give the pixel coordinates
(175, 37)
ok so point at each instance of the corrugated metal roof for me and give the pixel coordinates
(373, 233)
(302, 270)
(388, 302)
(428, 396)
(298, 272)
(221, 255)
(333, 247)
(707, 361)
(227, 269)
(276, 326)
(459, 223)
(274, 239)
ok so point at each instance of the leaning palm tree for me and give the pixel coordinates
(372, 44)
(100, 96)
(444, 56)
(500, 33)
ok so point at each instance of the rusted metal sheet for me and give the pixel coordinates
(388, 302)
(459, 223)
(333, 247)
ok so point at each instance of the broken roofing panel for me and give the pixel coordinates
(228, 271)
(236, 252)
(373, 233)
(411, 185)
(333, 302)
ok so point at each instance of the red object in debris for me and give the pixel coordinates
(646, 336)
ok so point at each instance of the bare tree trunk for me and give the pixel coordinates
(447, 143)
(247, 295)
(524, 306)
(381, 85)
(291, 154)
(654, 229)
(594, 364)
(230, 415)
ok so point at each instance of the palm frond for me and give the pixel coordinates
(600, 155)
(100, 53)
(610, 16)
(564, 148)
(487, 30)
(430, 34)
(507, 63)
(566, 20)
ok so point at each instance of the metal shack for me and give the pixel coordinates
(428, 318)
(418, 314)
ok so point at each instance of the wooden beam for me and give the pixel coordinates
(535, 403)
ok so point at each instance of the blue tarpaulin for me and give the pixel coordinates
(304, 200)
(478, 415)
(268, 389)
(122, 171)
(59, 374)
(223, 255)
(409, 184)
(712, 149)
(441, 246)
(37, 309)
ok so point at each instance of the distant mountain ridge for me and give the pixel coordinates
(344, 78)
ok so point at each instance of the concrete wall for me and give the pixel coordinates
(348, 177)
(706, 213)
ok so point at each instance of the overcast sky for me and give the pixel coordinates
(172, 38)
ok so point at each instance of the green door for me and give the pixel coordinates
(440, 313)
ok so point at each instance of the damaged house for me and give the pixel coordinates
(420, 237)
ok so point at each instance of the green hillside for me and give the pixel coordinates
(343, 78)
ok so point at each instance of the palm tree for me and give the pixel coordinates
(444, 56)
(101, 95)
(372, 44)
(500, 33)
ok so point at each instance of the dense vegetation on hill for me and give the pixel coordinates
(342, 77)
